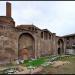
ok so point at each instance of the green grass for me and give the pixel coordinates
(34, 63)
(37, 62)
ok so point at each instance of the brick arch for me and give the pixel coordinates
(60, 46)
(26, 46)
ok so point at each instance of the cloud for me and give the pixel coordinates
(56, 16)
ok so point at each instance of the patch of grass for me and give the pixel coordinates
(34, 63)
(37, 62)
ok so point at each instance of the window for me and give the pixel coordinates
(45, 36)
(67, 38)
(67, 42)
(29, 28)
(41, 34)
(32, 28)
(72, 37)
(49, 36)
(36, 30)
(58, 42)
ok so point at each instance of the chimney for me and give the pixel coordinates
(8, 9)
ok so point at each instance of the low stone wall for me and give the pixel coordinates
(70, 51)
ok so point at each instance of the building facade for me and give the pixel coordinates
(69, 41)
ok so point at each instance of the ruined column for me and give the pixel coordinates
(8, 9)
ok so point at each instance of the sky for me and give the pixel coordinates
(56, 16)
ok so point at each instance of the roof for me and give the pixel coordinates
(46, 30)
(27, 25)
(69, 35)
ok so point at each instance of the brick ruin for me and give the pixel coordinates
(26, 41)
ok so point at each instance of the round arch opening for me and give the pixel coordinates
(26, 46)
(60, 46)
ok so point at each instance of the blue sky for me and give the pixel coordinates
(56, 16)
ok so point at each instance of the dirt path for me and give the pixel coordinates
(59, 63)
(21, 70)
(58, 67)
(37, 70)
(24, 70)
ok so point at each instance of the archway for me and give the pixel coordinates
(26, 46)
(59, 51)
(60, 46)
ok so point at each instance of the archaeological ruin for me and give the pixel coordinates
(28, 41)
